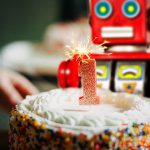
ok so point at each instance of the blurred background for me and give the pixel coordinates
(28, 20)
(34, 30)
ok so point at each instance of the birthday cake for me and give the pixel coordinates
(55, 120)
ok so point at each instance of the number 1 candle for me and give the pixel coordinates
(80, 51)
(87, 71)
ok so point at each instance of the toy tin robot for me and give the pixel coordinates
(124, 24)
(119, 21)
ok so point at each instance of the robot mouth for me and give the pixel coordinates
(117, 32)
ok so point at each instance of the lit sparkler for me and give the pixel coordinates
(81, 50)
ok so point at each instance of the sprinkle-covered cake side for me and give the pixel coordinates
(28, 133)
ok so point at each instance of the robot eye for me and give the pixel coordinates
(103, 9)
(131, 8)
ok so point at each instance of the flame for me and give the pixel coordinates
(82, 48)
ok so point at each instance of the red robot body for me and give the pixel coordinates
(119, 21)
(124, 24)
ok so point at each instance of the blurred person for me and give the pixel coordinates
(13, 88)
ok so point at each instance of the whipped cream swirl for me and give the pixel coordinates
(60, 108)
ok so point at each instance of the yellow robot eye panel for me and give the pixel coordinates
(131, 8)
(130, 72)
(102, 72)
(103, 9)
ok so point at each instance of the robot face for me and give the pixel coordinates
(119, 21)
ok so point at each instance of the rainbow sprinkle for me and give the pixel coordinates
(26, 133)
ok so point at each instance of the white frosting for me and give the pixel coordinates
(60, 108)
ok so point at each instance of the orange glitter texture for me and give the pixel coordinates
(87, 70)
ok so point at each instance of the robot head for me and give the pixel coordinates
(118, 21)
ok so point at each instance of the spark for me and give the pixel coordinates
(82, 47)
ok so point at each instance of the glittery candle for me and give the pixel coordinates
(87, 71)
